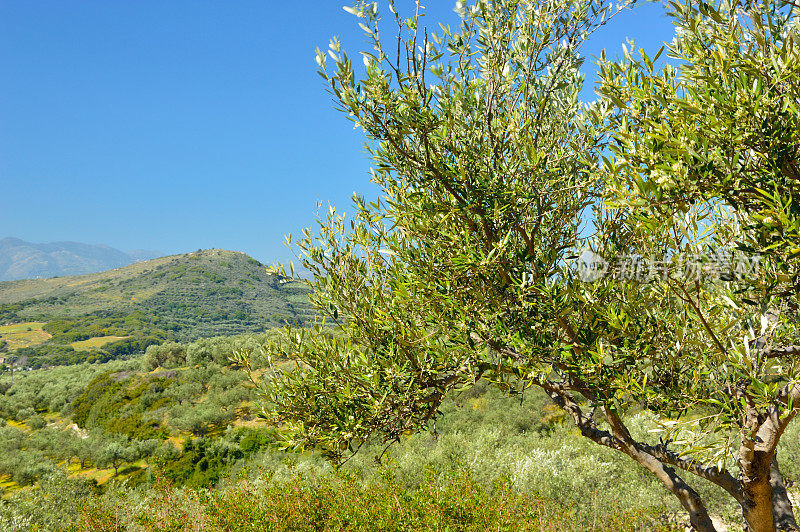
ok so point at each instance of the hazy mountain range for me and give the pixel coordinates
(25, 260)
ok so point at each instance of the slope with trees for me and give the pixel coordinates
(121, 417)
(178, 298)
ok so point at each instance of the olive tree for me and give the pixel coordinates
(495, 178)
(720, 131)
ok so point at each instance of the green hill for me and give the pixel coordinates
(181, 297)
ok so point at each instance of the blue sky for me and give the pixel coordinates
(175, 125)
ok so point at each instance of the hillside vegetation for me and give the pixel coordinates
(180, 298)
(169, 441)
(116, 419)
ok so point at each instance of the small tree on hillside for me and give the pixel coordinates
(114, 455)
(492, 186)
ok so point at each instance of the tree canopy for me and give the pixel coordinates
(496, 183)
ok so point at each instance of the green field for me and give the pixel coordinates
(495, 462)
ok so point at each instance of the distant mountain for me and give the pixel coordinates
(26, 260)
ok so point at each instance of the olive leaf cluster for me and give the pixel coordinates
(481, 152)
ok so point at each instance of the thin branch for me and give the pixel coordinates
(779, 352)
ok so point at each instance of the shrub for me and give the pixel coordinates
(344, 502)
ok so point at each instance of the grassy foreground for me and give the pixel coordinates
(343, 502)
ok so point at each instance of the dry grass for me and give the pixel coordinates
(8, 486)
(95, 343)
(26, 334)
(16, 291)
(18, 425)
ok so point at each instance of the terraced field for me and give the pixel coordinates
(26, 334)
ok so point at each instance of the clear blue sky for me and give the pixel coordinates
(175, 125)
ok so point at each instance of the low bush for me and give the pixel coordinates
(343, 502)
